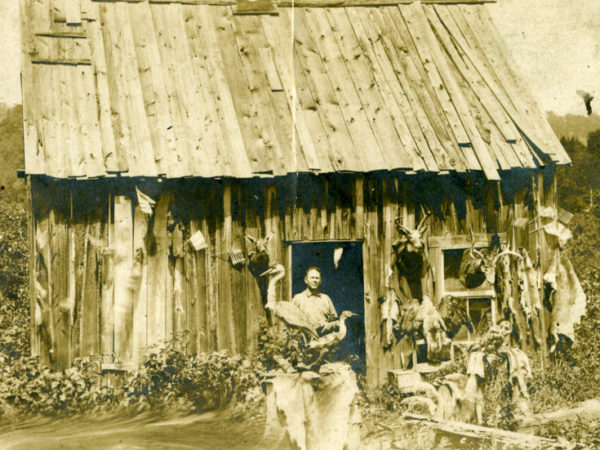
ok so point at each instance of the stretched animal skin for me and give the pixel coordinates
(568, 302)
(390, 315)
(529, 298)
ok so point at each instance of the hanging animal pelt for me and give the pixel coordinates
(566, 298)
(529, 298)
(390, 312)
(508, 294)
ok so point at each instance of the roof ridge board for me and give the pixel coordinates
(309, 3)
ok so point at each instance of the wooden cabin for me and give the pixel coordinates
(320, 123)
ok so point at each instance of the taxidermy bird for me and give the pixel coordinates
(423, 319)
(587, 99)
(288, 312)
(455, 315)
(331, 339)
(325, 343)
(435, 325)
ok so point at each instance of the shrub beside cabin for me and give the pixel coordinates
(233, 126)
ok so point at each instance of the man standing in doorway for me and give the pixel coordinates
(315, 304)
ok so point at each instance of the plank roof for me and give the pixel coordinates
(192, 89)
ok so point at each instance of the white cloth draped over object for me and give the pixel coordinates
(315, 411)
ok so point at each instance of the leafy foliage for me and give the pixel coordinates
(194, 383)
(14, 307)
(11, 149)
(28, 388)
(278, 345)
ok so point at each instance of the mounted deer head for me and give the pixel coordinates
(257, 254)
(478, 266)
(409, 248)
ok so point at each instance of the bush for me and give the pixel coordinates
(30, 388)
(192, 383)
(14, 273)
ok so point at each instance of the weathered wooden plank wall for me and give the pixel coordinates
(110, 280)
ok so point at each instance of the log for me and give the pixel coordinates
(520, 440)
(589, 409)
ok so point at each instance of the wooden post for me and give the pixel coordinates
(157, 272)
(59, 240)
(107, 321)
(540, 259)
(33, 257)
(72, 286)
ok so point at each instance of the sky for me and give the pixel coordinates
(555, 45)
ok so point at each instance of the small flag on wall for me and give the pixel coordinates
(145, 202)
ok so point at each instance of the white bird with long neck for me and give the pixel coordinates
(287, 311)
(331, 339)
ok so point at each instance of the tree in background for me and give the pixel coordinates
(11, 149)
(579, 185)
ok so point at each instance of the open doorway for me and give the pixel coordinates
(344, 284)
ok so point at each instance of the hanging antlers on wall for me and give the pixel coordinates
(409, 248)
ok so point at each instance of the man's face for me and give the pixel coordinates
(313, 279)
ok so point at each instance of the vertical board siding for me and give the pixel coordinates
(106, 276)
(114, 281)
(139, 285)
(59, 240)
(157, 272)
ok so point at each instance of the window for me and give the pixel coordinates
(480, 302)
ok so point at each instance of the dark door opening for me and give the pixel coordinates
(343, 284)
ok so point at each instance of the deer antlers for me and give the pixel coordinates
(476, 253)
(421, 228)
